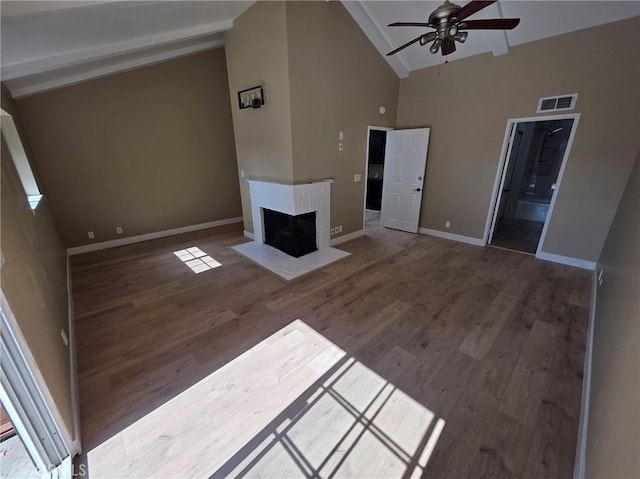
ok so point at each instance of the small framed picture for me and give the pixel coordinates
(251, 98)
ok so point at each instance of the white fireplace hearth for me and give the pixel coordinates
(292, 200)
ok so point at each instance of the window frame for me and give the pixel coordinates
(20, 160)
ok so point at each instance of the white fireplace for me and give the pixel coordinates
(292, 200)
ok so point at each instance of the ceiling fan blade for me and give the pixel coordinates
(472, 7)
(496, 24)
(404, 46)
(448, 46)
(409, 24)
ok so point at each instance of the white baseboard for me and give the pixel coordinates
(150, 236)
(568, 260)
(452, 236)
(73, 367)
(583, 428)
(249, 234)
(347, 237)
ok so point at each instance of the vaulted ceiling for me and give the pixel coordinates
(47, 44)
(539, 19)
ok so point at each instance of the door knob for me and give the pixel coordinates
(417, 189)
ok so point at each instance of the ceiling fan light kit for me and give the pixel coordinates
(449, 22)
(435, 46)
(428, 38)
(461, 37)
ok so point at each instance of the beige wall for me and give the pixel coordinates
(467, 104)
(148, 150)
(613, 433)
(34, 278)
(338, 83)
(321, 75)
(256, 49)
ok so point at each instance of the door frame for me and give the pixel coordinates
(366, 169)
(28, 402)
(503, 163)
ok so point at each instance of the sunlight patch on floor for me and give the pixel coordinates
(355, 424)
(196, 259)
(293, 405)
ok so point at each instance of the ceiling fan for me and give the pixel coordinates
(450, 25)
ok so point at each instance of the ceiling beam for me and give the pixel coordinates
(69, 59)
(96, 68)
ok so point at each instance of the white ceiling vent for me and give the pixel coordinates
(557, 103)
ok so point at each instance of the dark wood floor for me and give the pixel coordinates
(490, 341)
(517, 234)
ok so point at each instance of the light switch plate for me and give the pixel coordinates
(357, 177)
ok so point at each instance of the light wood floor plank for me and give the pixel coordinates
(487, 328)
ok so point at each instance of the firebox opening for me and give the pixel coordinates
(295, 235)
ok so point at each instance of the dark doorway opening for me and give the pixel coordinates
(294, 235)
(375, 171)
(530, 178)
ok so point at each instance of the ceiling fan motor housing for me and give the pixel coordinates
(443, 19)
(440, 17)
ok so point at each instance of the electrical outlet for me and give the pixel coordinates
(447, 224)
(339, 229)
(119, 230)
(357, 177)
(91, 235)
(340, 146)
(341, 135)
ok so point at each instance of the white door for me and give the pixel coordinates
(404, 164)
